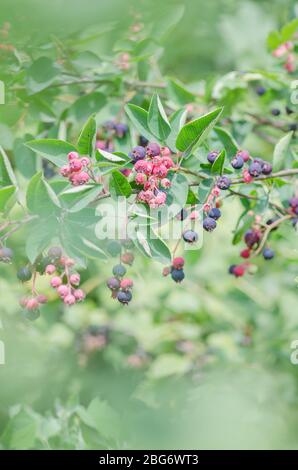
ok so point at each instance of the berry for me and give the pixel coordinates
(231, 268)
(24, 274)
(138, 153)
(212, 156)
(69, 299)
(127, 258)
(63, 290)
(124, 297)
(165, 183)
(56, 282)
(275, 112)
(114, 247)
(237, 162)
(293, 202)
(55, 253)
(251, 237)
(126, 284)
(143, 141)
(209, 224)
(255, 168)
(223, 182)
(268, 253)
(65, 171)
(244, 154)
(6, 254)
(32, 314)
(293, 127)
(85, 161)
(42, 263)
(165, 152)
(289, 110)
(113, 283)
(50, 269)
(190, 236)
(78, 179)
(178, 263)
(166, 271)
(73, 156)
(74, 279)
(239, 270)
(177, 275)
(260, 90)
(214, 213)
(41, 299)
(245, 253)
(121, 130)
(247, 178)
(266, 168)
(140, 179)
(32, 304)
(153, 149)
(79, 295)
(75, 165)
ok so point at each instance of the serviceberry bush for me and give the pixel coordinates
(173, 153)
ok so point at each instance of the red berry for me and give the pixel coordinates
(239, 270)
(32, 304)
(178, 263)
(127, 258)
(245, 253)
(126, 284)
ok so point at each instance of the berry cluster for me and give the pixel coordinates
(110, 130)
(176, 270)
(77, 169)
(286, 54)
(151, 166)
(118, 284)
(31, 305)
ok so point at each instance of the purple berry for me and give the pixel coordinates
(190, 236)
(209, 224)
(113, 283)
(268, 253)
(138, 153)
(275, 112)
(237, 162)
(153, 149)
(214, 213)
(251, 237)
(177, 275)
(121, 130)
(255, 169)
(293, 202)
(119, 270)
(124, 297)
(212, 156)
(5, 254)
(223, 182)
(260, 90)
(267, 168)
(231, 268)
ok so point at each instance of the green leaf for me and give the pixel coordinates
(289, 29)
(228, 141)
(103, 418)
(41, 74)
(87, 105)
(86, 141)
(177, 120)
(157, 119)
(5, 197)
(40, 234)
(53, 150)
(107, 156)
(244, 223)
(218, 165)
(24, 158)
(151, 245)
(204, 189)
(119, 185)
(7, 176)
(79, 197)
(280, 151)
(178, 192)
(20, 432)
(191, 197)
(138, 117)
(178, 93)
(193, 133)
(40, 197)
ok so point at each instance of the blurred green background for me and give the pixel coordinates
(201, 365)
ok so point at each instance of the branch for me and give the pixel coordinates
(278, 174)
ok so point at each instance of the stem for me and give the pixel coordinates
(278, 174)
(254, 198)
(267, 232)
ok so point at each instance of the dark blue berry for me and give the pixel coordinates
(255, 169)
(293, 127)
(143, 141)
(24, 274)
(231, 268)
(237, 162)
(153, 149)
(275, 112)
(138, 153)
(260, 90)
(124, 297)
(212, 156)
(214, 213)
(119, 270)
(190, 236)
(268, 253)
(209, 224)
(113, 283)
(223, 182)
(266, 168)
(177, 275)
(289, 110)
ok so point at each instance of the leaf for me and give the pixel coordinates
(177, 120)
(41, 232)
(111, 157)
(138, 117)
(103, 418)
(280, 151)
(86, 139)
(7, 176)
(204, 189)
(151, 245)
(79, 197)
(5, 197)
(178, 192)
(20, 432)
(53, 150)
(191, 197)
(119, 184)
(169, 364)
(228, 141)
(40, 197)
(178, 93)
(157, 119)
(218, 165)
(243, 224)
(41, 74)
(166, 21)
(24, 158)
(87, 105)
(194, 132)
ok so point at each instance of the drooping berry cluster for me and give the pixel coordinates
(119, 285)
(151, 166)
(176, 270)
(77, 170)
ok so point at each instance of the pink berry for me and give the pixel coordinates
(244, 154)
(168, 162)
(166, 271)
(50, 269)
(165, 183)
(245, 253)
(63, 290)
(140, 178)
(165, 151)
(79, 294)
(194, 215)
(126, 284)
(215, 191)
(75, 165)
(178, 262)
(100, 144)
(73, 156)
(41, 299)
(56, 282)
(32, 304)
(69, 299)
(160, 171)
(75, 279)
(80, 178)
(23, 301)
(65, 171)
(85, 161)
(206, 207)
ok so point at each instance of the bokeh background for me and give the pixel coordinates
(205, 364)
